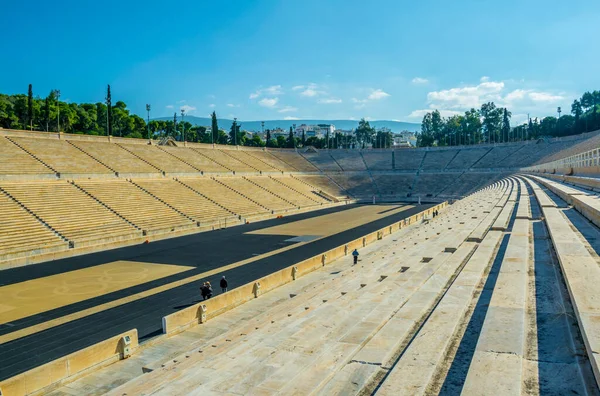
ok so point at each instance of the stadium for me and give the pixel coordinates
(477, 273)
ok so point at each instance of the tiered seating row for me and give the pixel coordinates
(356, 184)
(115, 157)
(323, 161)
(199, 162)
(303, 188)
(21, 234)
(71, 212)
(580, 268)
(15, 161)
(92, 212)
(63, 157)
(349, 160)
(323, 183)
(228, 197)
(256, 193)
(281, 191)
(31, 154)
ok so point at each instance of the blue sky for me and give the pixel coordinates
(331, 59)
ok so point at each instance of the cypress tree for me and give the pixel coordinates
(303, 138)
(30, 107)
(506, 124)
(268, 138)
(109, 128)
(290, 141)
(175, 124)
(214, 127)
(47, 111)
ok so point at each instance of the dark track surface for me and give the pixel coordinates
(205, 251)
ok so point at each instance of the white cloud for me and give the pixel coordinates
(516, 95)
(188, 108)
(170, 106)
(310, 90)
(329, 101)
(211, 105)
(378, 94)
(232, 105)
(484, 79)
(268, 102)
(288, 109)
(544, 97)
(419, 80)
(273, 90)
(290, 118)
(466, 97)
(181, 101)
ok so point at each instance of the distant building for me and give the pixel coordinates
(324, 129)
(405, 139)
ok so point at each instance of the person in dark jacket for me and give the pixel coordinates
(223, 284)
(204, 291)
(355, 255)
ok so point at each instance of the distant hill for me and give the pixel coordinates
(254, 126)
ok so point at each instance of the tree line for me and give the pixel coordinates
(50, 114)
(491, 124)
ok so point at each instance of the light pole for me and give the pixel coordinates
(182, 125)
(262, 129)
(58, 106)
(148, 110)
(558, 110)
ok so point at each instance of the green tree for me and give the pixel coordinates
(492, 121)
(364, 132)
(577, 111)
(303, 138)
(268, 138)
(47, 112)
(291, 141)
(235, 136)
(256, 141)
(109, 126)
(281, 141)
(452, 129)
(426, 138)
(505, 125)
(437, 126)
(214, 127)
(30, 107)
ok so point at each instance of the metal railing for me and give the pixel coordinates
(581, 160)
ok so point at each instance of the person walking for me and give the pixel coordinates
(209, 290)
(355, 255)
(223, 284)
(203, 291)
